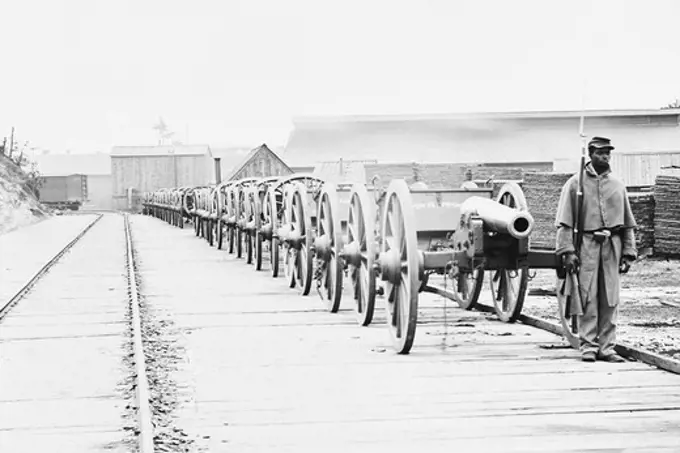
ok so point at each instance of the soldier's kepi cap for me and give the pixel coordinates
(600, 143)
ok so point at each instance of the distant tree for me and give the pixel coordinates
(673, 105)
(18, 155)
(164, 134)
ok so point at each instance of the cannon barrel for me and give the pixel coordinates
(498, 217)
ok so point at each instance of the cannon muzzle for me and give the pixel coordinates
(498, 217)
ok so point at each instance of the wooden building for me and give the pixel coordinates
(259, 163)
(641, 169)
(147, 168)
(507, 138)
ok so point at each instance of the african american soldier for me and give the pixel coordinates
(607, 248)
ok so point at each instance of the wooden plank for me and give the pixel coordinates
(662, 362)
(264, 368)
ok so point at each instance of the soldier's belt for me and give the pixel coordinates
(603, 234)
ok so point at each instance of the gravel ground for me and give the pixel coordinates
(649, 315)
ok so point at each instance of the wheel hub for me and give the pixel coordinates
(266, 231)
(323, 247)
(390, 266)
(289, 236)
(352, 254)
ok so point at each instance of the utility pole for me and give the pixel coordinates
(11, 143)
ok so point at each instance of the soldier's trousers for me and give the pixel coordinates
(597, 326)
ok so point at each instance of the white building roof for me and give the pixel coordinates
(161, 150)
(485, 116)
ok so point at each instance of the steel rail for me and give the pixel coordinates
(144, 414)
(7, 306)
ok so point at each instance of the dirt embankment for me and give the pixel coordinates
(18, 206)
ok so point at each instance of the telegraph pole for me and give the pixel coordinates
(11, 143)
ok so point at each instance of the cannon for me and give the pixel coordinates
(259, 225)
(292, 227)
(200, 213)
(243, 217)
(406, 235)
(222, 223)
(272, 219)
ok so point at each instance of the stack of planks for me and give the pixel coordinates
(667, 213)
(642, 204)
(542, 191)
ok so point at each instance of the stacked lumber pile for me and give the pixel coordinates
(642, 204)
(542, 191)
(667, 213)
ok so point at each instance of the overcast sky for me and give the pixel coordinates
(86, 75)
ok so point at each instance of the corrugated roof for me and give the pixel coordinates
(68, 164)
(161, 150)
(483, 115)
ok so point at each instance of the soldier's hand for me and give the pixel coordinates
(626, 261)
(571, 263)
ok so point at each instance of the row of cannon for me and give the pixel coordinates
(386, 241)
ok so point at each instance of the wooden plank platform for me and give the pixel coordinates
(23, 252)
(63, 376)
(261, 368)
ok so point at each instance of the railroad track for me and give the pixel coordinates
(144, 430)
(144, 415)
(9, 304)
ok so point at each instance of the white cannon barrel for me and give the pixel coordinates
(498, 217)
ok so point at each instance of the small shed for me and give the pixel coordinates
(148, 168)
(259, 163)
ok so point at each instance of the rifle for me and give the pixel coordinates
(575, 307)
(578, 217)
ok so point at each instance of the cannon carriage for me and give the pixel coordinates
(292, 227)
(201, 212)
(258, 226)
(407, 234)
(241, 218)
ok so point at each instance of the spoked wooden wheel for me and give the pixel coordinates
(509, 286)
(290, 253)
(219, 224)
(220, 234)
(252, 221)
(270, 214)
(240, 208)
(302, 223)
(257, 236)
(248, 245)
(399, 263)
(238, 238)
(328, 244)
(360, 252)
(211, 232)
(468, 285)
(570, 324)
(231, 214)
